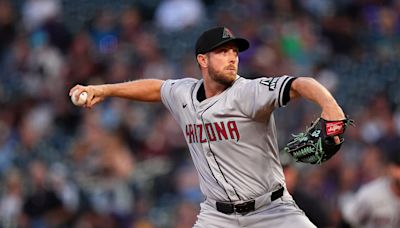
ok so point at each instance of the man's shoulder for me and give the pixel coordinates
(243, 84)
(183, 81)
(180, 83)
(180, 86)
(242, 81)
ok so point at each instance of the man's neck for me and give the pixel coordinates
(213, 88)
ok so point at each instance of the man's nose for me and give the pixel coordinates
(232, 55)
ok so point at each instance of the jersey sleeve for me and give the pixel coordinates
(261, 96)
(173, 93)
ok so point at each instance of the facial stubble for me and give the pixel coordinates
(225, 79)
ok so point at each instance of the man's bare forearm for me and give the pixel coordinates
(141, 90)
(147, 90)
(312, 90)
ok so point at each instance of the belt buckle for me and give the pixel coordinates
(245, 207)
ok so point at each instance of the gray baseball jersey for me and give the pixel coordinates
(231, 136)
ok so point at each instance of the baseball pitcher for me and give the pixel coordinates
(230, 130)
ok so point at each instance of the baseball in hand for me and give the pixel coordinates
(81, 98)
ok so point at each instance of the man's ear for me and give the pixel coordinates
(202, 60)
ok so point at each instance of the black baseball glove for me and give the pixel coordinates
(317, 143)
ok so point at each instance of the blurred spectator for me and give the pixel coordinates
(377, 203)
(131, 25)
(34, 136)
(11, 200)
(46, 65)
(8, 141)
(36, 12)
(111, 198)
(341, 29)
(42, 205)
(58, 34)
(268, 60)
(7, 26)
(383, 27)
(176, 15)
(81, 62)
(318, 8)
(65, 190)
(98, 153)
(103, 31)
(155, 65)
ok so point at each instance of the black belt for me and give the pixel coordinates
(246, 207)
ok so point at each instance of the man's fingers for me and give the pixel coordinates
(76, 87)
(95, 100)
(337, 140)
(91, 100)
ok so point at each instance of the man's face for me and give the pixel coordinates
(223, 64)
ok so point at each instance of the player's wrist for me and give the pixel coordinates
(332, 112)
(101, 90)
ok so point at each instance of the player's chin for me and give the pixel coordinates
(232, 76)
(229, 79)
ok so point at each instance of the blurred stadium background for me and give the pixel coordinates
(125, 164)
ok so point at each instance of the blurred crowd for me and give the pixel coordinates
(125, 164)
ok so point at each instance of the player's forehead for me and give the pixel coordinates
(228, 45)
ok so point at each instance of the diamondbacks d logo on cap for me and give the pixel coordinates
(227, 34)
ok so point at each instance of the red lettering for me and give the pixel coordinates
(232, 128)
(192, 139)
(188, 134)
(212, 132)
(211, 136)
(195, 133)
(200, 127)
(221, 130)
